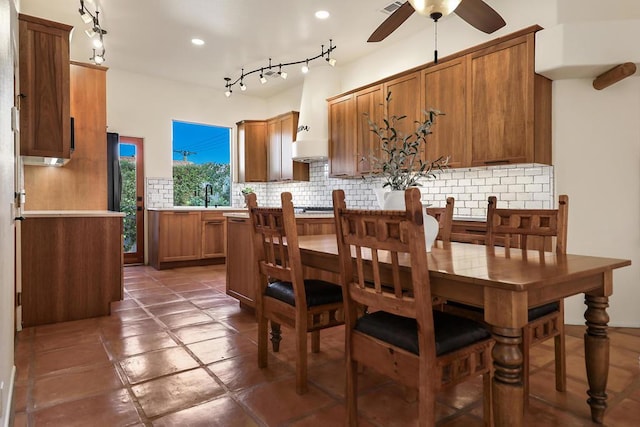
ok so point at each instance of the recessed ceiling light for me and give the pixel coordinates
(197, 42)
(322, 14)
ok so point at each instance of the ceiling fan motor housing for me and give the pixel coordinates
(435, 9)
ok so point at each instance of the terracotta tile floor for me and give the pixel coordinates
(177, 351)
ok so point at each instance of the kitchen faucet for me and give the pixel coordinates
(208, 191)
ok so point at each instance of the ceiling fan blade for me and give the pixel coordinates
(392, 22)
(480, 15)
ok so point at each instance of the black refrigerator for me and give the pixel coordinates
(114, 176)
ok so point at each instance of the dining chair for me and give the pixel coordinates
(390, 324)
(532, 230)
(283, 295)
(445, 219)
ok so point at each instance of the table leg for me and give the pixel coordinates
(276, 336)
(596, 351)
(507, 387)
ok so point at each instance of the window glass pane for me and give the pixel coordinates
(201, 165)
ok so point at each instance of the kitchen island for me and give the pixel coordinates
(71, 265)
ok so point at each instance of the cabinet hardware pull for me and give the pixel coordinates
(237, 220)
(496, 162)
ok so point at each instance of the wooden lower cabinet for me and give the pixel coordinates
(71, 267)
(183, 238)
(240, 262)
(241, 265)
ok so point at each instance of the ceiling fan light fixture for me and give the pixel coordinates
(438, 8)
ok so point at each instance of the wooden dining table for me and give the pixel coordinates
(506, 283)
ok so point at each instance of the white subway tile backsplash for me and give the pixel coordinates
(515, 186)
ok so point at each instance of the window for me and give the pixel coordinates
(201, 163)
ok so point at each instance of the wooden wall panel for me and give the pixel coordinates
(82, 182)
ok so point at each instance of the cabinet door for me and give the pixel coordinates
(180, 237)
(252, 151)
(405, 101)
(241, 268)
(369, 105)
(501, 99)
(342, 131)
(286, 140)
(444, 89)
(45, 119)
(274, 138)
(213, 236)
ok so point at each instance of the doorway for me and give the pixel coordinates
(132, 198)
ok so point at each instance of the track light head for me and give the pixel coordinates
(331, 61)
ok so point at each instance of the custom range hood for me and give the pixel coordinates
(312, 140)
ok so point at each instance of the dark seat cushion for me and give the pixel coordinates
(543, 310)
(451, 332)
(318, 292)
(534, 313)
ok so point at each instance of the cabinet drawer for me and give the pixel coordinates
(211, 216)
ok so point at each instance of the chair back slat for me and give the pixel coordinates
(528, 228)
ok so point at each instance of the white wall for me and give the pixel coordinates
(597, 159)
(8, 34)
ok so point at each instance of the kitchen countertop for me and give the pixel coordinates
(197, 208)
(298, 215)
(74, 213)
(245, 214)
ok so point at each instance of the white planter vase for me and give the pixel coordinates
(394, 200)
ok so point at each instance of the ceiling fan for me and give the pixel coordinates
(476, 12)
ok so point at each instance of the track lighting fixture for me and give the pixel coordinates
(96, 32)
(269, 71)
(97, 58)
(227, 92)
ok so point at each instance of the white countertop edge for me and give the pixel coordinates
(197, 208)
(69, 214)
(298, 215)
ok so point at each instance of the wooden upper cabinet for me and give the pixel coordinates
(405, 101)
(497, 110)
(342, 137)
(45, 128)
(252, 151)
(511, 108)
(444, 89)
(281, 132)
(369, 105)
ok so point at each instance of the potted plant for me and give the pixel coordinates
(400, 163)
(245, 192)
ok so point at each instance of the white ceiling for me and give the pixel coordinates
(154, 36)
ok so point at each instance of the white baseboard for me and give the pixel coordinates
(7, 404)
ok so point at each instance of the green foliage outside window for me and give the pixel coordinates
(189, 183)
(128, 203)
